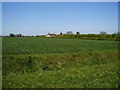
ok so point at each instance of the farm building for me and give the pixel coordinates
(51, 35)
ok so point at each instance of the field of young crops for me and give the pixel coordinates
(31, 62)
(18, 46)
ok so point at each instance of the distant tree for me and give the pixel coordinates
(60, 33)
(37, 35)
(69, 33)
(11, 35)
(77, 33)
(118, 33)
(103, 33)
(20, 35)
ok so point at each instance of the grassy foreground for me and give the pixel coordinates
(84, 64)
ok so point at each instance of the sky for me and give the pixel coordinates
(60, 0)
(40, 18)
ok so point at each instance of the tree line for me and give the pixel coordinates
(15, 35)
(101, 36)
(70, 35)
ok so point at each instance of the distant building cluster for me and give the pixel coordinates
(51, 35)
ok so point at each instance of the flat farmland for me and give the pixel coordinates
(31, 62)
(19, 46)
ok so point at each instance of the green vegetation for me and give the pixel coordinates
(70, 35)
(110, 37)
(31, 45)
(31, 62)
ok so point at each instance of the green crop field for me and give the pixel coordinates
(34, 62)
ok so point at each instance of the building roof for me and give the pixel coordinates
(51, 34)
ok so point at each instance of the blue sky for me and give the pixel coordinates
(37, 18)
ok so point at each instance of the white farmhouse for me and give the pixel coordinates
(51, 35)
